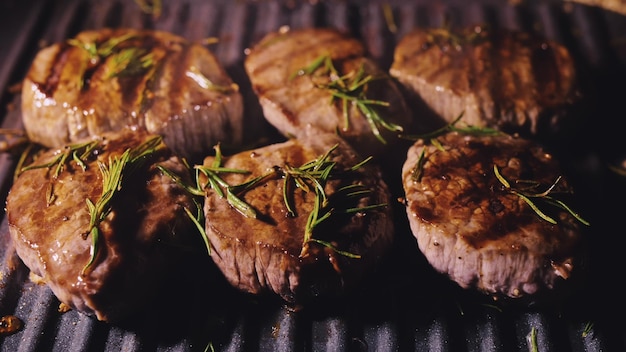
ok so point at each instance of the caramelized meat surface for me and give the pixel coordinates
(271, 253)
(303, 77)
(482, 233)
(107, 79)
(512, 81)
(139, 238)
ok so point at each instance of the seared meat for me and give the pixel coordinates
(270, 253)
(108, 79)
(302, 77)
(508, 80)
(140, 241)
(480, 233)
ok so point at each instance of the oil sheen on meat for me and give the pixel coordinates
(474, 229)
(298, 102)
(509, 80)
(104, 80)
(143, 240)
(265, 255)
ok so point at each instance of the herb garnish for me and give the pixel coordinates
(151, 7)
(588, 329)
(309, 177)
(452, 127)
(532, 340)
(103, 50)
(130, 61)
(350, 89)
(215, 182)
(418, 169)
(112, 176)
(312, 177)
(123, 62)
(528, 194)
(446, 36)
(204, 82)
(77, 152)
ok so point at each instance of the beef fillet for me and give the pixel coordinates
(480, 232)
(141, 234)
(508, 80)
(270, 253)
(104, 80)
(303, 78)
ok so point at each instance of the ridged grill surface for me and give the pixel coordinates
(404, 306)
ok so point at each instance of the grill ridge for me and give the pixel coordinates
(423, 313)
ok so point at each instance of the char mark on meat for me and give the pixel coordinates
(270, 253)
(140, 238)
(467, 209)
(303, 78)
(105, 80)
(509, 80)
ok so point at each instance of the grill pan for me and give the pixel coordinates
(404, 306)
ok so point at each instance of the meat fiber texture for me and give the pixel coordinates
(143, 240)
(269, 255)
(474, 229)
(298, 102)
(512, 81)
(105, 80)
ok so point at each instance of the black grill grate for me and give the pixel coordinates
(405, 306)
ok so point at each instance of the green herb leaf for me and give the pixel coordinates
(112, 176)
(545, 197)
(350, 89)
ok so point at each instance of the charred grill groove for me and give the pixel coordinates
(424, 320)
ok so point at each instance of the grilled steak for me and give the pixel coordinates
(108, 79)
(508, 80)
(271, 253)
(478, 231)
(304, 80)
(139, 239)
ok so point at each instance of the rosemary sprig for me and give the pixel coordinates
(418, 169)
(588, 329)
(452, 127)
(150, 7)
(129, 62)
(432, 137)
(215, 182)
(349, 89)
(103, 50)
(532, 340)
(311, 177)
(112, 176)
(545, 196)
(76, 152)
(221, 187)
(447, 36)
(123, 62)
(204, 82)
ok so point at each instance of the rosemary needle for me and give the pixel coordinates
(112, 177)
(530, 197)
(349, 89)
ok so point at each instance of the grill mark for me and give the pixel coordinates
(51, 83)
(151, 85)
(180, 63)
(304, 47)
(493, 45)
(545, 72)
(476, 78)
